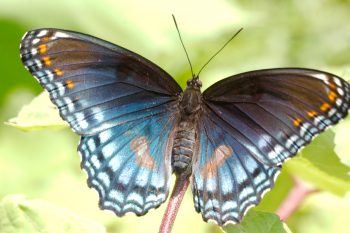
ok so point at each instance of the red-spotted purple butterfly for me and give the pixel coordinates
(138, 126)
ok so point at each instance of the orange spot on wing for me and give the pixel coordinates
(47, 61)
(42, 48)
(58, 72)
(325, 107)
(312, 114)
(297, 122)
(217, 160)
(332, 85)
(70, 84)
(332, 96)
(46, 38)
(140, 146)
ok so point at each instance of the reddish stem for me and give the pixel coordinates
(294, 199)
(176, 197)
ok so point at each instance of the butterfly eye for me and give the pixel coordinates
(199, 83)
(189, 82)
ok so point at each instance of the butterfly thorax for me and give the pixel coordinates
(186, 134)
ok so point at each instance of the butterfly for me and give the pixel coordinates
(137, 125)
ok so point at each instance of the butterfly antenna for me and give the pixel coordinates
(183, 45)
(212, 57)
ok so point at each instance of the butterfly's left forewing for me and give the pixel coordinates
(251, 123)
(123, 106)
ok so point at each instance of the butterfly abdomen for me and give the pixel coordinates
(185, 136)
(183, 148)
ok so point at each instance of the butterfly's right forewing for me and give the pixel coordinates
(95, 84)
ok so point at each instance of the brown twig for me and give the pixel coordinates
(294, 199)
(176, 197)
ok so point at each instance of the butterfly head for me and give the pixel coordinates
(194, 83)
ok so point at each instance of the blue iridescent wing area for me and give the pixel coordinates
(129, 164)
(227, 179)
(251, 123)
(121, 104)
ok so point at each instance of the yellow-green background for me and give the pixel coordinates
(313, 33)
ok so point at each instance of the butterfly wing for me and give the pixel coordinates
(252, 122)
(95, 84)
(129, 164)
(123, 105)
(227, 179)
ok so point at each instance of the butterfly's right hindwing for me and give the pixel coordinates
(129, 165)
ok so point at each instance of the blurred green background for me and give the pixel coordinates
(44, 164)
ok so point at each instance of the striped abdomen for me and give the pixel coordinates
(183, 148)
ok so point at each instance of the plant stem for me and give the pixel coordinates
(176, 197)
(294, 199)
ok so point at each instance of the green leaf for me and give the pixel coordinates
(341, 140)
(18, 214)
(320, 165)
(259, 222)
(273, 199)
(39, 114)
(322, 213)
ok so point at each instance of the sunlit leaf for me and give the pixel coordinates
(320, 165)
(18, 214)
(39, 114)
(259, 222)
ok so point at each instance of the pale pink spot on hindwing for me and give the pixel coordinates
(218, 158)
(140, 146)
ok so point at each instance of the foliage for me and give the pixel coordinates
(17, 215)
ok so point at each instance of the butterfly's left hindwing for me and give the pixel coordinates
(227, 178)
(123, 106)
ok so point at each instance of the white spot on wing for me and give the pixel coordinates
(42, 33)
(337, 81)
(83, 124)
(95, 162)
(33, 51)
(61, 35)
(291, 140)
(229, 205)
(304, 127)
(322, 77)
(115, 162)
(340, 91)
(135, 197)
(211, 185)
(108, 150)
(332, 111)
(338, 102)
(119, 197)
(91, 144)
(105, 136)
(104, 178)
(38, 63)
(35, 41)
